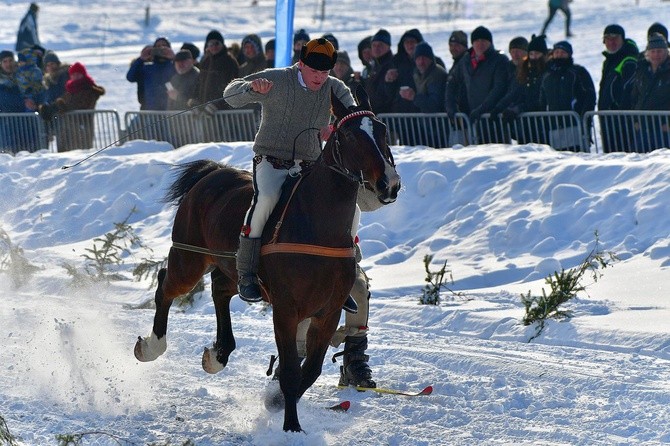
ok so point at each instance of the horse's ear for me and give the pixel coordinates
(362, 97)
(337, 107)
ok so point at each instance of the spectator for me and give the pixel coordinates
(651, 91)
(55, 77)
(11, 100)
(518, 51)
(523, 95)
(82, 93)
(299, 39)
(270, 53)
(483, 74)
(194, 50)
(554, 6)
(29, 78)
(365, 56)
(458, 46)
(28, 35)
(343, 71)
(402, 73)
(616, 84)
(217, 69)
(654, 28)
(333, 40)
(378, 75)
(566, 87)
(151, 71)
(254, 57)
(183, 85)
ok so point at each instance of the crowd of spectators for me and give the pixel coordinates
(481, 81)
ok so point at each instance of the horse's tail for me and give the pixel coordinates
(188, 175)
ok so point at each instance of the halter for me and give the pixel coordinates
(337, 155)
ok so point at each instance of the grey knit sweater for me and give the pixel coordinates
(291, 115)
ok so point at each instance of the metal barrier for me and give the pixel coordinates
(427, 129)
(84, 129)
(22, 131)
(628, 130)
(180, 128)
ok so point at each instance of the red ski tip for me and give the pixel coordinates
(345, 405)
(427, 391)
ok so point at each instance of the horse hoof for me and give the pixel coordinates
(150, 348)
(209, 362)
(274, 398)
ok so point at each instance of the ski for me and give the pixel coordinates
(340, 407)
(426, 391)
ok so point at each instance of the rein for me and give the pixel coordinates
(337, 155)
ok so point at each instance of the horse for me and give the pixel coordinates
(307, 266)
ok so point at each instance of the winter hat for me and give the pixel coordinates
(481, 33)
(270, 45)
(520, 43)
(300, 35)
(382, 36)
(614, 29)
(343, 56)
(565, 46)
(183, 55)
(5, 54)
(657, 28)
(50, 56)
(459, 37)
(195, 51)
(164, 39)
(214, 35)
(424, 49)
(538, 43)
(255, 40)
(414, 34)
(657, 41)
(362, 45)
(331, 38)
(77, 67)
(319, 54)
(34, 7)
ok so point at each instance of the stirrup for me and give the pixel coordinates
(350, 306)
(249, 289)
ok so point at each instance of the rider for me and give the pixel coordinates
(295, 118)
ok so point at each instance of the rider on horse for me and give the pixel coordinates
(295, 118)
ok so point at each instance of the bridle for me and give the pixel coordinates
(336, 153)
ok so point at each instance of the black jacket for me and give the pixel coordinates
(567, 86)
(375, 84)
(651, 91)
(616, 82)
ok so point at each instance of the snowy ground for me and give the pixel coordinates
(503, 217)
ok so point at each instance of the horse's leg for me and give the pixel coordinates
(182, 274)
(320, 331)
(289, 364)
(214, 359)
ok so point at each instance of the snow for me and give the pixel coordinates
(502, 217)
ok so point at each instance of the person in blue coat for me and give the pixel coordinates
(28, 36)
(153, 69)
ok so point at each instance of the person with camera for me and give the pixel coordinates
(152, 70)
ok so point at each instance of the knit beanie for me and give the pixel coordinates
(538, 43)
(270, 45)
(195, 51)
(424, 49)
(343, 56)
(50, 56)
(520, 43)
(657, 28)
(382, 36)
(565, 46)
(5, 54)
(300, 35)
(459, 37)
(614, 29)
(77, 67)
(657, 41)
(332, 39)
(481, 33)
(214, 35)
(319, 54)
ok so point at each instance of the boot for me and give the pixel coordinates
(248, 256)
(356, 371)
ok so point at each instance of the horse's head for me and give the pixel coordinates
(358, 147)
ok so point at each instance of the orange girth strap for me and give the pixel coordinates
(314, 250)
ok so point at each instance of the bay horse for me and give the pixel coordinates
(307, 266)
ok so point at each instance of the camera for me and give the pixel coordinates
(156, 52)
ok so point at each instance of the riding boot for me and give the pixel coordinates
(356, 371)
(248, 256)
